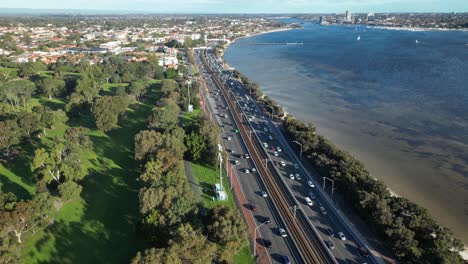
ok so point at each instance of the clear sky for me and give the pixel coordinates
(247, 6)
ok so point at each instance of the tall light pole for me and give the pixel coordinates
(232, 172)
(255, 235)
(300, 155)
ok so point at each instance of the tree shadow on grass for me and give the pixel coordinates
(8, 186)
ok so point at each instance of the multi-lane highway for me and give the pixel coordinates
(335, 235)
(266, 217)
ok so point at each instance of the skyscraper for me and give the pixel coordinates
(348, 16)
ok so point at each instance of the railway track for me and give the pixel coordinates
(310, 246)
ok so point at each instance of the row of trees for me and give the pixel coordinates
(174, 226)
(405, 227)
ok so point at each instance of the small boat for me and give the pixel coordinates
(359, 38)
(417, 42)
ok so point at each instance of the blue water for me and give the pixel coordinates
(398, 105)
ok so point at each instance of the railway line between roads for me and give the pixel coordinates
(311, 247)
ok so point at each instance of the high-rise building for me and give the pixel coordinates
(348, 16)
(321, 20)
(371, 16)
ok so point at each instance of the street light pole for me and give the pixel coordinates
(255, 235)
(300, 155)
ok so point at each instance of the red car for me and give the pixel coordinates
(273, 148)
(253, 207)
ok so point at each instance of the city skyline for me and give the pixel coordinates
(244, 6)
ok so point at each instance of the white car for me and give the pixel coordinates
(270, 137)
(264, 194)
(278, 149)
(236, 162)
(265, 129)
(265, 144)
(298, 177)
(311, 184)
(247, 171)
(247, 156)
(283, 232)
(283, 164)
(291, 176)
(275, 153)
(229, 138)
(308, 201)
(342, 236)
(254, 170)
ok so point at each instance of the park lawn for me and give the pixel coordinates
(187, 118)
(206, 177)
(101, 226)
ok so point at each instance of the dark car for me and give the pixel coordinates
(253, 207)
(330, 232)
(267, 243)
(330, 244)
(264, 219)
(364, 252)
(285, 260)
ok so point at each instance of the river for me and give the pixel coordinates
(397, 100)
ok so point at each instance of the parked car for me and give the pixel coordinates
(285, 260)
(342, 236)
(311, 184)
(229, 138)
(364, 252)
(283, 232)
(296, 166)
(246, 171)
(275, 154)
(322, 210)
(283, 164)
(330, 244)
(312, 195)
(308, 201)
(254, 170)
(291, 176)
(278, 149)
(247, 156)
(330, 232)
(253, 207)
(267, 243)
(236, 162)
(264, 194)
(265, 144)
(298, 177)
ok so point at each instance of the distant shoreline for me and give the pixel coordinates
(416, 29)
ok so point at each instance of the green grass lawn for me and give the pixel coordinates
(187, 117)
(100, 227)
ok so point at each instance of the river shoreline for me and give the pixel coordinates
(465, 253)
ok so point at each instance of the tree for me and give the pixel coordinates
(69, 190)
(137, 89)
(168, 86)
(165, 117)
(28, 123)
(77, 138)
(61, 161)
(51, 87)
(195, 145)
(146, 142)
(27, 216)
(17, 92)
(171, 73)
(106, 110)
(9, 134)
(49, 118)
(7, 201)
(224, 225)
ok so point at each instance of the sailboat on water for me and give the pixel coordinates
(417, 42)
(359, 38)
